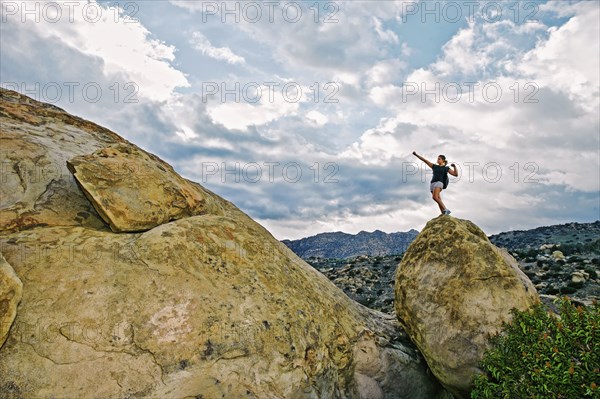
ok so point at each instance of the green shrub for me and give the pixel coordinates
(540, 355)
(575, 285)
(556, 267)
(593, 274)
(527, 253)
(568, 289)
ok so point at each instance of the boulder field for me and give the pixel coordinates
(138, 283)
(120, 278)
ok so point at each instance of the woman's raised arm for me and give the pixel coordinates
(423, 159)
(453, 171)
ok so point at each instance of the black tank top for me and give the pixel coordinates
(438, 173)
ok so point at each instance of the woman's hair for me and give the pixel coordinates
(443, 159)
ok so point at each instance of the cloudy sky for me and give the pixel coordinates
(305, 114)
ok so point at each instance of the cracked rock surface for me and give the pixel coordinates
(11, 289)
(207, 306)
(453, 290)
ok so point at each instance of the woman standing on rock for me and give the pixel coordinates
(439, 181)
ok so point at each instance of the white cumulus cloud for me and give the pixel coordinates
(125, 46)
(201, 43)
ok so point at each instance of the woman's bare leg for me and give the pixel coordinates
(437, 198)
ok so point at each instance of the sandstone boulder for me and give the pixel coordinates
(453, 290)
(36, 140)
(136, 191)
(11, 289)
(209, 305)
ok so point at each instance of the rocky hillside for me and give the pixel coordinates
(560, 260)
(121, 279)
(569, 234)
(369, 280)
(343, 245)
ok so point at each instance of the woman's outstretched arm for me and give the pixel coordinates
(423, 159)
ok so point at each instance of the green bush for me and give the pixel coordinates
(540, 355)
(575, 285)
(556, 267)
(527, 253)
(593, 274)
(568, 289)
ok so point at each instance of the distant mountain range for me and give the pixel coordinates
(378, 243)
(343, 245)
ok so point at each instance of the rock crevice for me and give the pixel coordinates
(11, 291)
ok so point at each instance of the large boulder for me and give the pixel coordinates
(453, 290)
(135, 191)
(11, 289)
(209, 305)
